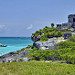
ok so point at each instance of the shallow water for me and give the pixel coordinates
(14, 44)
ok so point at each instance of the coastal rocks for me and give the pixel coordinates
(73, 33)
(48, 45)
(36, 38)
(22, 59)
(43, 45)
(8, 60)
(26, 59)
(12, 56)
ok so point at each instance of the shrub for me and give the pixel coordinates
(44, 37)
(72, 38)
(65, 54)
(49, 32)
(65, 44)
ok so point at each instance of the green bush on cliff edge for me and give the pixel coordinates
(47, 33)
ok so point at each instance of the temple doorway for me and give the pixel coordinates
(73, 19)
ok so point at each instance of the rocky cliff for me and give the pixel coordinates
(47, 37)
(50, 44)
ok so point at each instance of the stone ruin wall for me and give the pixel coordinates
(69, 25)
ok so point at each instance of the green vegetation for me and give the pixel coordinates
(65, 52)
(47, 33)
(52, 24)
(36, 68)
(66, 31)
(17, 52)
(72, 38)
(66, 44)
(28, 47)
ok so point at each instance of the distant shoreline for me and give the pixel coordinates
(14, 44)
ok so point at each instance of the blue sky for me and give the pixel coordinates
(21, 18)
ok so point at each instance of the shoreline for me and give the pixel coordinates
(14, 44)
(9, 57)
(17, 57)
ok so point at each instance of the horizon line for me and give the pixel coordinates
(15, 36)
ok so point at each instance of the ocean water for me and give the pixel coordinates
(14, 44)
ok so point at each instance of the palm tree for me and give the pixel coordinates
(52, 24)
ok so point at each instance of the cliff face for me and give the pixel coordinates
(45, 44)
(50, 44)
(47, 37)
(36, 38)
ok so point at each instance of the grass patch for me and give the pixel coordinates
(36, 68)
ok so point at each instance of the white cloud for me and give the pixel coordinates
(30, 27)
(2, 27)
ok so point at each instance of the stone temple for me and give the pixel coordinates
(70, 25)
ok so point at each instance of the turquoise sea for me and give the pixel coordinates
(14, 44)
